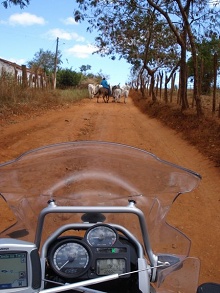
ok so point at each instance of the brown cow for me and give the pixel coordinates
(104, 93)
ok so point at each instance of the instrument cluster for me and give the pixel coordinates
(100, 252)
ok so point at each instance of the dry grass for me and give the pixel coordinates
(203, 133)
(15, 100)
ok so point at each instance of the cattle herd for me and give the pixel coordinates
(116, 92)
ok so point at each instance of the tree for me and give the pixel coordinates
(183, 17)
(21, 3)
(84, 68)
(134, 32)
(206, 50)
(45, 60)
(189, 15)
(68, 78)
(159, 52)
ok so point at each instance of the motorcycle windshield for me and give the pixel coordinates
(94, 173)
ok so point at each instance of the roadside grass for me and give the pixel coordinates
(16, 100)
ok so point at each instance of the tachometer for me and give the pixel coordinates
(101, 235)
(69, 258)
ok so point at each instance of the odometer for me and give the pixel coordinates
(110, 266)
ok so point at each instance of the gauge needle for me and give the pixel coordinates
(64, 264)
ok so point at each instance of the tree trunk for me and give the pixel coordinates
(165, 90)
(157, 84)
(187, 30)
(152, 82)
(161, 82)
(172, 87)
(215, 81)
(196, 95)
(183, 80)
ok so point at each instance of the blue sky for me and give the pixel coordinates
(24, 31)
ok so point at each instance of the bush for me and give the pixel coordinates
(68, 78)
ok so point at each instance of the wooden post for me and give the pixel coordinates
(24, 76)
(55, 66)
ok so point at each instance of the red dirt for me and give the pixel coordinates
(196, 214)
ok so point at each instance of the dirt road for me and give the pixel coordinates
(197, 214)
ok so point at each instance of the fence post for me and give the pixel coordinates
(24, 76)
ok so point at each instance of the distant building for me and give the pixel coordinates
(22, 74)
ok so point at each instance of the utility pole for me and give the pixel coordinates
(55, 66)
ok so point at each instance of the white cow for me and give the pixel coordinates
(119, 92)
(117, 95)
(125, 92)
(91, 89)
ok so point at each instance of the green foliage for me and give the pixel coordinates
(130, 29)
(21, 3)
(206, 50)
(143, 32)
(73, 95)
(45, 60)
(68, 78)
(85, 68)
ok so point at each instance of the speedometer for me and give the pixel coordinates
(69, 258)
(101, 235)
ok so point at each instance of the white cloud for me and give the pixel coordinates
(19, 61)
(81, 51)
(13, 60)
(69, 21)
(64, 35)
(25, 19)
